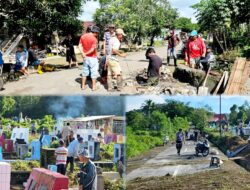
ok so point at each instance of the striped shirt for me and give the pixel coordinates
(61, 155)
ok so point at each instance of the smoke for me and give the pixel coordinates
(67, 107)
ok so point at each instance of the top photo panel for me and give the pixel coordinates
(125, 47)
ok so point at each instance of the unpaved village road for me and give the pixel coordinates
(169, 163)
(67, 81)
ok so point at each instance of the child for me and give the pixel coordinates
(21, 60)
(155, 63)
(61, 157)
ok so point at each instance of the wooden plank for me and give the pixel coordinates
(219, 84)
(238, 77)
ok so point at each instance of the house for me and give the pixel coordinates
(109, 126)
(217, 119)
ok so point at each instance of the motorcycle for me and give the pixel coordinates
(202, 147)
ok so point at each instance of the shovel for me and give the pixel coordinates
(203, 90)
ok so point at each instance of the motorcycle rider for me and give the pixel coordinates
(179, 141)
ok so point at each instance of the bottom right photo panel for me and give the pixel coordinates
(188, 143)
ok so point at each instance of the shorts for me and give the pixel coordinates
(114, 67)
(90, 67)
(70, 57)
(18, 67)
(36, 63)
(195, 61)
(172, 52)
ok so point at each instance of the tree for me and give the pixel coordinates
(140, 19)
(233, 114)
(185, 24)
(148, 107)
(7, 104)
(42, 17)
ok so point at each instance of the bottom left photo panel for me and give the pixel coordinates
(62, 142)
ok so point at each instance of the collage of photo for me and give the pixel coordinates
(124, 95)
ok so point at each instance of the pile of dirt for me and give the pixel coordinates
(230, 177)
(233, 143)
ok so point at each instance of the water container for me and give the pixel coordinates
(52, 168)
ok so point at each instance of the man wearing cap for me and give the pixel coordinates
(173, 41)
(61, 157)
(196, 49)
(88, 175)
(88, 49)
(73, 150)
(114, 68)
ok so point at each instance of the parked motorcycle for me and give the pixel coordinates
(202, 147)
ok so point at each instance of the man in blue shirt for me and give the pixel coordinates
(88, 175)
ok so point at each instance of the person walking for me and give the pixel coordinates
(114, 68)
(173, 41)
(195, 50)
(61, 157)
(70, 51)
(88, 174)
(88, 49)
(179, 141)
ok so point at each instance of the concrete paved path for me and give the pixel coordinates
(169, 163)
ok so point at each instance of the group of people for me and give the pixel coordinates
(26, 57)
(111, 66)
(71, 148)
(197, 54)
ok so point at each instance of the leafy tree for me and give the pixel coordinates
(185, 24)
(42, 17)
(233, 114)
(7, 104)
(140, 19)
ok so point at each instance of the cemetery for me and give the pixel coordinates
(27, 159)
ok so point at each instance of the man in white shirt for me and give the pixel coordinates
(114, 68)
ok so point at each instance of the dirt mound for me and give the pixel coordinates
(235, 142)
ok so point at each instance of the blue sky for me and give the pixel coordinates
(134, 102)
(183, 7)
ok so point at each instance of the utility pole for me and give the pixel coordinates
(220, 118)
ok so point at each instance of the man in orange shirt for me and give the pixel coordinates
(88, 46)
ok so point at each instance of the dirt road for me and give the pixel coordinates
(67, 81)
(166, 170)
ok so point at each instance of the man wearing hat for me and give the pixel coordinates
(88, 49)
(114, 68)
(73, 150)
(196, 49)
(88, 175)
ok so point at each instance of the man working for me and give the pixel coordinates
(173, 41)
(88, 46)
(196, 49)
(73, 149)
(114, 68)
(88, 175)
(179, 141)
(33, 59)
(154, 66)
(61, 157)
(70, 51)
(66, 131)
(70, 138)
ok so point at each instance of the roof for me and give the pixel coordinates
(119, 118)
(91, 118)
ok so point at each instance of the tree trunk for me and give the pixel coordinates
(152, 40)
(221, 46)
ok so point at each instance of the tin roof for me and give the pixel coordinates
(91, 118)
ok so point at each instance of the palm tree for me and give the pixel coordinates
(148, 107)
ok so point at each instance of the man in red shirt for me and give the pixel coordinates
(88, 46)
(196, 49)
